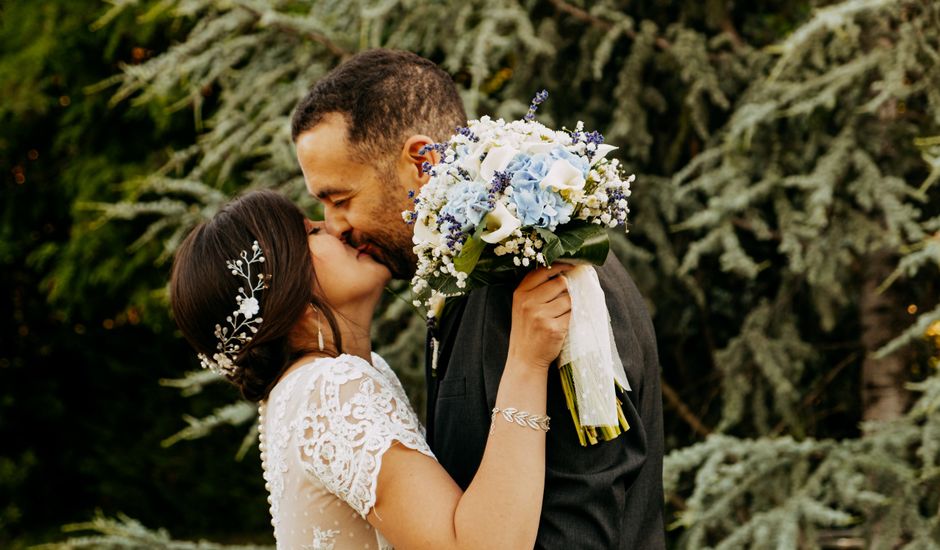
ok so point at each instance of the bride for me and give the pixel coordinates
(283, 310)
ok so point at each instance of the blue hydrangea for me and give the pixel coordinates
(535, 206)
(525, 168)
(467, 203)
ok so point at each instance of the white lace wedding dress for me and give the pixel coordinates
(324, 429)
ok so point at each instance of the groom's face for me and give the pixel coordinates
(362, 202)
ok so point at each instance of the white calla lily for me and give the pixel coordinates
(500, 223)
(496, 161)
(602, 151)
(472, 162)
(424, 235)
(541, 147)
(562, 175)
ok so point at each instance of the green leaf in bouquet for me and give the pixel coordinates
(494, 270)
(587, 242)
(446, 285)
(593, 249)
(491, 263)
(470, 253)
(574, 236)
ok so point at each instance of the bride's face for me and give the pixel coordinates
(345, 276)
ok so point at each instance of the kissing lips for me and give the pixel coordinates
(363, 249)
(374, 253)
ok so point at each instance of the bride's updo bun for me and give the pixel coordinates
(203, 291)
(258, 366)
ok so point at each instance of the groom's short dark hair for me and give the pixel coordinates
(386, 96)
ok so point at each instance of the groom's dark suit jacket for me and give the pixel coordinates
(606, 496)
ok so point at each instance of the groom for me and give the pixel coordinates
(360, 135)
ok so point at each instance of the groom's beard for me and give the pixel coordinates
(389, 243)
(388, 251)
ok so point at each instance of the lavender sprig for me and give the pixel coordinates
(536, 101)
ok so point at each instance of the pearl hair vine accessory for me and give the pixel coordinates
(242, 323)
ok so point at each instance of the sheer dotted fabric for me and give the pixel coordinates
(324, 430)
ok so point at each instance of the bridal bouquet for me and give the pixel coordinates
(507, 196)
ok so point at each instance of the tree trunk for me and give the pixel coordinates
(884, 396)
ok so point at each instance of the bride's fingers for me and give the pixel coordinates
(541, 308)
(559, 306)
(564, 319)
(560, 325)
(538, 276)
(549, 290)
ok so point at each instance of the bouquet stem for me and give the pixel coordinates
(589, 435)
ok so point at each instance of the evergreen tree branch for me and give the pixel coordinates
(124, 532)
(585, 16)
(672, 397)
(283, 23)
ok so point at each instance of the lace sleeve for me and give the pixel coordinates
(353, 415)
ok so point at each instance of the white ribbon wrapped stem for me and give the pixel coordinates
(591, 350)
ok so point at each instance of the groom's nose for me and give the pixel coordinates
(336, 224)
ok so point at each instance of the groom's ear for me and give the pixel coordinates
(414, 154)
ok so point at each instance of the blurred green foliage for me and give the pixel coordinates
(85, 337)
(778, 146)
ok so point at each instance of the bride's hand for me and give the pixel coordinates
(541, 308)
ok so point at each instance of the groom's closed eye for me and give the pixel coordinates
(333, 195)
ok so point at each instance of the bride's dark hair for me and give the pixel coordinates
(203, 290)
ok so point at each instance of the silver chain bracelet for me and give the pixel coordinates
(522, 418)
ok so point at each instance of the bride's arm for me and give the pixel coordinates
(418, 505)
